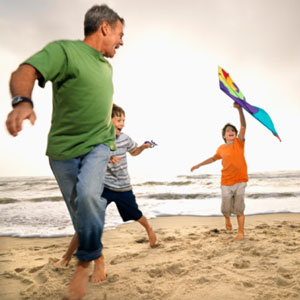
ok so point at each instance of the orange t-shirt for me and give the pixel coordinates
(233, 162)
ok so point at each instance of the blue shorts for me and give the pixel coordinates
(125, 202)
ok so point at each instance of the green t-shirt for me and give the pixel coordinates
(82, 97)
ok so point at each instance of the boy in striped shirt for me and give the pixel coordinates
(117, 186)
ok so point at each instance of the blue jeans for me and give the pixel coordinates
(81, 181)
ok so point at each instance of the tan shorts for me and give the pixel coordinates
(233, 199)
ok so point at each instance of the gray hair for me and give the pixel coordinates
(98, 14)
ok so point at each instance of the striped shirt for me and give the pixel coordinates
(117, 177)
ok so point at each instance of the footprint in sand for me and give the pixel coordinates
(248, 284)
(169, 239)
(282, 282)
(286, 273)
(141, 241)
(202, 280)
(174, 269)
(241, 264)
(35, 269)
(155, 273)
(112, 278)
(121, 258)
(19, 270)
(42, 277)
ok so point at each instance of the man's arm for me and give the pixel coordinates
(242, 121)
(21, 84)
(205, 162)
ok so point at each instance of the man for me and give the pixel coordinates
(81, 134)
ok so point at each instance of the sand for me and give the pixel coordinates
(196, 258)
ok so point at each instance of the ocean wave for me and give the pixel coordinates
(201, 176)
(178, 196)
(37, 200)
(7, 200)
(164, 183)
(46, 199)
(275, 175)
(173, 196)
(272, 195)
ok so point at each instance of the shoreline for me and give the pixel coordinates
(195, 258)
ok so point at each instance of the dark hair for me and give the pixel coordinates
(117, 111)
(98, 14)
(224, 130)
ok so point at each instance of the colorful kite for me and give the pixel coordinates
(231, 89)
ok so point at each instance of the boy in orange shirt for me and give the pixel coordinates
(234, 173)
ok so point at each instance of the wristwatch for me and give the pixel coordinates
(18, 99)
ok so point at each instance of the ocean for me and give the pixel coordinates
(33, 206)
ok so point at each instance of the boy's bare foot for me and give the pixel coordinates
(61, 263)
(79, 281)
(228, 225)
(99, 270)
(152, 237)
(240, 236)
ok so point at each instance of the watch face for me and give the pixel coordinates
(16, 100)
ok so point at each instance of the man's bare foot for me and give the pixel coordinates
(62, 263)
(99, 270)
(228, 225)
(240, 236)
(79, 282)
(152, 237)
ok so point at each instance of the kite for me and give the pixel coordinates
(231, 89)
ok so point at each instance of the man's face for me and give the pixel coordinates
(114, 39)
(119, 123)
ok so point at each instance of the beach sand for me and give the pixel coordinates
(196, 258)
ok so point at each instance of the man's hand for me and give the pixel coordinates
(16, 117)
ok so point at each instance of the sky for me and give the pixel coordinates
(166, 79)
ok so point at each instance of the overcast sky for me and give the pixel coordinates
(165, 77)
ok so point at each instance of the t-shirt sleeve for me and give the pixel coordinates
(218, 154)
(240, 142)
(51, 62)
(131, 146)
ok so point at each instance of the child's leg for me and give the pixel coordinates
(151, 234)
(239, 208)
(129, 210)
(226, 205)
(241, 223)
(99, 270)
(228, 224)
(68, 255)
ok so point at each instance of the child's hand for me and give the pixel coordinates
(114, 160)
(236, 105)
(194, 168)
(147, 145)
(151, 143)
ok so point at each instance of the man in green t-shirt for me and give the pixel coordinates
(81, 134)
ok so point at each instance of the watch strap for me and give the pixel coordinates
(18, 99)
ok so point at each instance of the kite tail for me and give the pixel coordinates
(277, 137)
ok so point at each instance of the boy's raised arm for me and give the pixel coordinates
(242, 121)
